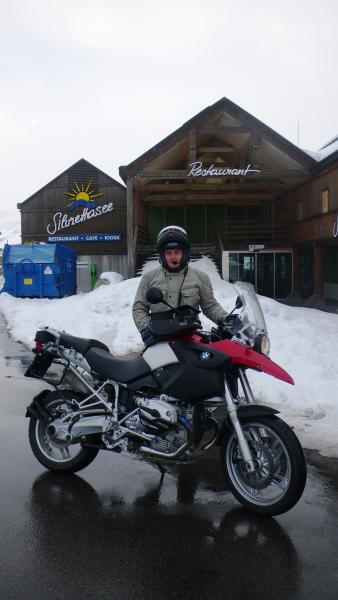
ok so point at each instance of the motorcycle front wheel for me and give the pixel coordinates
(279, 478)
(62, 458)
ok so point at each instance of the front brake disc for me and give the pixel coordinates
(265, 468)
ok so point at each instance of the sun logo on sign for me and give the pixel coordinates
(82, 196)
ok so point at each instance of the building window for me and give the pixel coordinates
(299, 210)
(330, 264)
(325, 201)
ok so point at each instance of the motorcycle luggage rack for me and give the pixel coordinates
(51, 369)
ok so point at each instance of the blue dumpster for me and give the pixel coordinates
(39, 270)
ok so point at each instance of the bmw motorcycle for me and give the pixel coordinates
(184, 394)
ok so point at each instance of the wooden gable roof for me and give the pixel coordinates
(226, 122)
(82, 163)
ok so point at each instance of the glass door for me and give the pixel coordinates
(265, 274)
(283, 274)
(247, 268)
(269, 272)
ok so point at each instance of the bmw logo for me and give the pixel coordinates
(205, 356)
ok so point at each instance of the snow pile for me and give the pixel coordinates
(304, 342)
(111, 276)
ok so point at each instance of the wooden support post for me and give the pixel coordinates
(130, 228)
(192, 147)
(255, 144)
(296, 270)
(273, 220)
(317, 269)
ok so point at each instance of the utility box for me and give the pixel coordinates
(39, 270)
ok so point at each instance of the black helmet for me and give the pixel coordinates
(172, 237)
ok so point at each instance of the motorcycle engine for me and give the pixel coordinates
(159, 418)
(156, 412)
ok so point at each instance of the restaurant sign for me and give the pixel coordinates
(197, 169)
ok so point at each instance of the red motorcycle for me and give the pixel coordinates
(189, 386)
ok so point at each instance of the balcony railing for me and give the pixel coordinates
(252, 232)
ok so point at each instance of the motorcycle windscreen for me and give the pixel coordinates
(253, 308)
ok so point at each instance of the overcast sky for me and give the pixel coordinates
(105, 80)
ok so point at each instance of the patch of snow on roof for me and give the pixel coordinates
(330, 142)
(329, 148)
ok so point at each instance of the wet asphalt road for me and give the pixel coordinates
(116, 532)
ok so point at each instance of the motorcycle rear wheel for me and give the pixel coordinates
(65, 458)
(279, 479)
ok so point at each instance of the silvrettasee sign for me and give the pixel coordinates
(197, 169)
(62, 220)
(81, 196)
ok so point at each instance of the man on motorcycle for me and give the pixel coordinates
(179, 283)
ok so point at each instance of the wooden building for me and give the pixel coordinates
(311, 213)
(83, 208)
(228, 179)
(264, 209)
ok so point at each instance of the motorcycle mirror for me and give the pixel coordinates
(154, 295)
(239, 302)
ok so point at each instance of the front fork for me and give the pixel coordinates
(232, 412)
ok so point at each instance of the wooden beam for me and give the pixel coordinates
(208, 187)
(192, 147)
(253, 150)
(188, 200)
(204, 197)
(265, 173)
(130, 228)
(222, 130)
(219, 149)
(164, 174)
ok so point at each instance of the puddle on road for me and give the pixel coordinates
(20, 362)
(13, 366)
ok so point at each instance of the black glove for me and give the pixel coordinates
(147, 337)
(225, 328)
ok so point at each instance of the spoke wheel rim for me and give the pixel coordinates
(265, 488)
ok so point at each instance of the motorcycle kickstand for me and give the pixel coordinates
(163, 471)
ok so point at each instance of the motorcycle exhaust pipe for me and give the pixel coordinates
(215, 426)
(167, 455)
(86, 426)
(58, 434)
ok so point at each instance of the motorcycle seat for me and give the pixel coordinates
(80, 344)
(123, 370)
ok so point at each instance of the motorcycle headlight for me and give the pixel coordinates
(262, 344)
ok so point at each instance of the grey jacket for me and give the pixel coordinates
(195, 289)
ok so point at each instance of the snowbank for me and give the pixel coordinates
(111, 276)
(304, 342)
